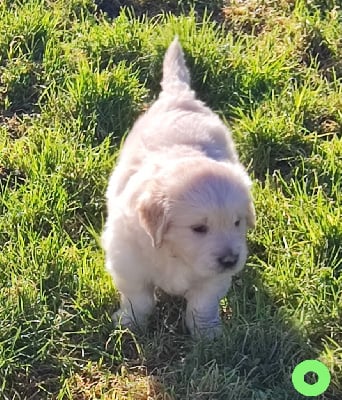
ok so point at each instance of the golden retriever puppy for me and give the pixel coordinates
(179, 206)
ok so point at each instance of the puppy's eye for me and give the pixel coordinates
(237, 223)
(200, 229)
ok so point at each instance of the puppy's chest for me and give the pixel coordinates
(173, 278)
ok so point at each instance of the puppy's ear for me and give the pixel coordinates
(251, 220)
(153, 211)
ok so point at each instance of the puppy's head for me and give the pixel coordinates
(200, 210)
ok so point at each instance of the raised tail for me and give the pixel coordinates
(176, 77)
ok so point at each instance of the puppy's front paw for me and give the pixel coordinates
(207, 332)
(121, 318)
(124, 319)
(204, 324)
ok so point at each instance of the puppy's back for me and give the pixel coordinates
(177, 123)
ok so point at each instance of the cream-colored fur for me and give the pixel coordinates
(179, 206)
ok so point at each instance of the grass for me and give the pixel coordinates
(72, 81)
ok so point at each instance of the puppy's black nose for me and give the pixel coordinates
(229, 260)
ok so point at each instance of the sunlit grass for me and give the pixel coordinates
(72, 82)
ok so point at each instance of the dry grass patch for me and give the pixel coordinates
(132, 383)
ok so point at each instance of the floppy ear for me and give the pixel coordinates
(153, 211)
(251, 215)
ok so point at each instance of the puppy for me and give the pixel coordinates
(179, 206)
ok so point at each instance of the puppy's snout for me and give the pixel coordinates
(228, 260)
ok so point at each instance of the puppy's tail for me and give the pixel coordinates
(176, 77)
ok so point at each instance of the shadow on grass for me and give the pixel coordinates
(76, 347)
(151, 8)
(253, 360)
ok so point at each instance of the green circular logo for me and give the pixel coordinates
(307, 389)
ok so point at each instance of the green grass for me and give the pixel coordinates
(72, 82)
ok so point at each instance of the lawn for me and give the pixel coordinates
(73, 78)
